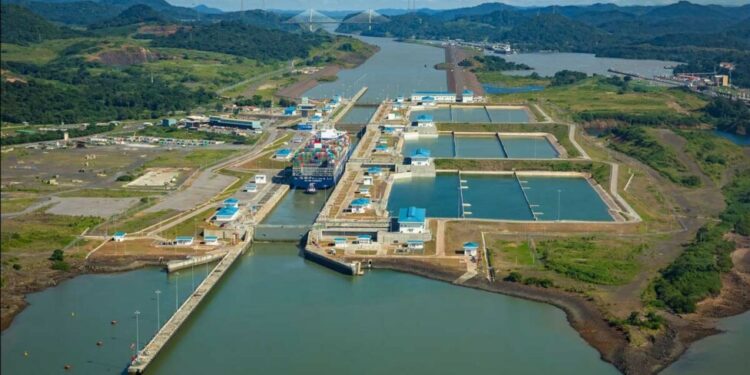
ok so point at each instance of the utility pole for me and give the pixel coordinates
(158, 315)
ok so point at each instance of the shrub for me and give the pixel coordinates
(57, 255)
(514, 277)
(60, 265)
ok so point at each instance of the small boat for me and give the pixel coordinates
(311, 189)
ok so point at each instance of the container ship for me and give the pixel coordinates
(320, 163)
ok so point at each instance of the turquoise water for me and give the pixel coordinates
(742, 140)
(725, 353)
(279, 314)
(62, 325)
(500, 197)
(483, 147)
(397, 69)
(457, 114)
(358, 115)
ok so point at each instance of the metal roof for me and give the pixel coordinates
(227, 211)
(360, 202)
(412, 215)
(471, 246)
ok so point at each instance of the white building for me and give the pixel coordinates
(412, 220)
(467, 96)
(438, 96)
(260, 179)
(420, 157)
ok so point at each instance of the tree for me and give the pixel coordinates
(57, 255)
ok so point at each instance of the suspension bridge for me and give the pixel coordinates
(312, 19)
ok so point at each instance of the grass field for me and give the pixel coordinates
(190, 226)
(609, 261)
(38, 231)
(16, 204)
(190, 159)
(504, 80)
(513, 252)
(593, 95)
(139, 221)
(715, 155)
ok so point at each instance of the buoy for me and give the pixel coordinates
(25, 354)
(99, 343)
(72, 314)
(113, 322)
(67, 367)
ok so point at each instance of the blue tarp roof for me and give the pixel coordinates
(360, 202)
(411, 215)
(420, 153)
(471, 245)
(227, 211)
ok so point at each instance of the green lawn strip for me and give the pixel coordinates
(590, 259)
(39, 231)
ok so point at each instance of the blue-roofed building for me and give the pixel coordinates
(119, 236)
(336, 99)
(169, 122)
(305, 126)
(211, 240)
(360, 205)
(412, 220)
(339, 242)
(424, 121)
(364, 239)
(415, 245)
(437, 96)
(226, 214)
(420, 157)
(231, 202)
(381, 148)
(290, 111)
(470, 248)
(183, 241)
(316, 118)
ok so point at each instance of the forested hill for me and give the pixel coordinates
(135, 14)
(702, 36)
(239, 39)
(20, 26)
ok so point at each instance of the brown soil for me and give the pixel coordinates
(127, 55)
(459, 78)
(307, 82)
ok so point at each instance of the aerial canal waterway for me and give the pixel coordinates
(483, 147)
(474, 114)
(397, 69)
(500, 197)
(547, 64)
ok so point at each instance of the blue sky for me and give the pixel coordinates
(436, 4)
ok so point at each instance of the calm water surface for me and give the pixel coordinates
(397, 69)
(358, 115)
(484, 147)
(500, 197)
(725, 354)
(479, 115)
(547, 64)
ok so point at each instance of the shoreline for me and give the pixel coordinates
(590, 322)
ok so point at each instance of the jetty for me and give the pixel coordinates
(341, 113)
(157, 343)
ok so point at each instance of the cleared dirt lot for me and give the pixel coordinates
(156, 177)
(205, 186)
(101, 207)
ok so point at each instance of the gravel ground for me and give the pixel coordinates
(203, 188)
(102, 207)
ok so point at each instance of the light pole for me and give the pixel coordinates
(176, 291)
(558, 204)
(137, 332)
(158, 315)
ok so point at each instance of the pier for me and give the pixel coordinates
(341, 113)
(157, 343)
